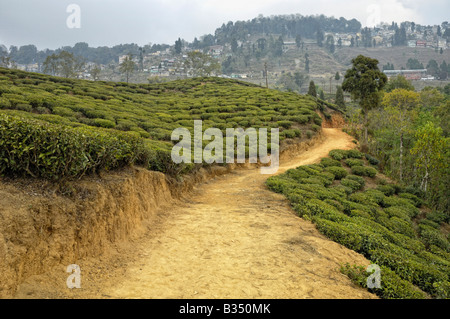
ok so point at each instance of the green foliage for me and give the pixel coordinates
(379, 223)
(153, 111)
(51, 151)
(354, 162)
(338, 172)
(327, 162)
(364, 171)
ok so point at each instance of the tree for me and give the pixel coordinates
(178, 46)
(234, 45)
(321, 94)
(398, 82)
(128, 66)
(364, 81)
(64, 64)
(320, 36)
(329, 43)
(201, 64)
(7, 62)
(340, 97)
(312, 89)
(414, 64)
(431, 150)
(95, 72)
(306, 62)
(433, 67)
(400, 106)
(337, 76)
(300, 79)
(443, 72)
(298, 41)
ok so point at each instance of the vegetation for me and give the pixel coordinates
(133, 123)
(365, 83)
(384, 222)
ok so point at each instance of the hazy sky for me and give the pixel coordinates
(111, 22)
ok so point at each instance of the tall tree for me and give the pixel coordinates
(201, 64)
(365, 82)
(127, 67)
(400, 106)
(431, 150)
(312, 89)
(340, 97)
(178, 46)
(95, 72)
(320, 36)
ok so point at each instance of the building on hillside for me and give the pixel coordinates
(408, 74)
(216, 49)
(421, 43)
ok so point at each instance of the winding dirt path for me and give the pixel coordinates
(233, 238)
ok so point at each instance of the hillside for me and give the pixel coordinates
(138, 117)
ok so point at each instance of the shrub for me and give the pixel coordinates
(339, 233)
(364, 171)
(372, 160)
(388, 190)
(354, 154)
(52, 151)
(338, 172)
(353, 185)
(392, 286)
(354, 162)
(416, 200)
(338, 154)
(327, 162)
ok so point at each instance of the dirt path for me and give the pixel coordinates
(232, 239)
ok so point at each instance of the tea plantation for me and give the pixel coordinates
(350, 204)
(55, 127)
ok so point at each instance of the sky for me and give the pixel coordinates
(56, 23)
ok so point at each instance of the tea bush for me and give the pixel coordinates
(376, 222)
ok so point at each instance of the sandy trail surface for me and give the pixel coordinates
(232, 238)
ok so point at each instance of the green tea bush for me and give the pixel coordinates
(51, 151)
(327, 162)
(364, 171)
(413, 198)
(353, 185)
(338, 172)
(338, 154)
(354, 154)
(354, 162)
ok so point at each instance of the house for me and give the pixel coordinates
(216, 49)
(421, 43)
(408, 74)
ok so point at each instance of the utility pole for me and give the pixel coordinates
(267, 79)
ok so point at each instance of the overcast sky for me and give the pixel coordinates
(111, 22)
